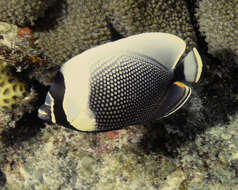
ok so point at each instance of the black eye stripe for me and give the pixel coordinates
(57, 91)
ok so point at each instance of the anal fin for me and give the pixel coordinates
(84, 121)
(177, 94)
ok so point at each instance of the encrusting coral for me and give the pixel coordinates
(23, 12)
(12, 90)
(18, 49)
(215, 154)
(18, 62)
(16, 97)
(218, 21)
(98, 163)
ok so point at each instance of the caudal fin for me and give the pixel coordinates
(190, 68)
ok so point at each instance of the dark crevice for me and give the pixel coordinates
(192, 6)
(3, 179)
(56, 12)
(115, 34)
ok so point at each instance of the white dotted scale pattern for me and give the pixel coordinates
(127, 89)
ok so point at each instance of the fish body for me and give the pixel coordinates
(134, 80)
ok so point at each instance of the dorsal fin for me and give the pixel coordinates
(163, 47)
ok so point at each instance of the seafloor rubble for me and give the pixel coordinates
(196, 148)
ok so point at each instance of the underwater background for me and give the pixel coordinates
(194, 149)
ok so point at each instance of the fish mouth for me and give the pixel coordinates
(44, 113)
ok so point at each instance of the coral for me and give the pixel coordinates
(188, 150)
(212, 159)
(8, 33)
(76, 163)
(129, 17)
(23, 12)
(70, 26)
(12, 90)
(83, 27)
(17, 47)
(19, 64)
(54, 157)
(84, 24)
(218, 21)
(16, 99)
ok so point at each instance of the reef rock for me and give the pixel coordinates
(218, 21)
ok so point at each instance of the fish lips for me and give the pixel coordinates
(44, 112)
